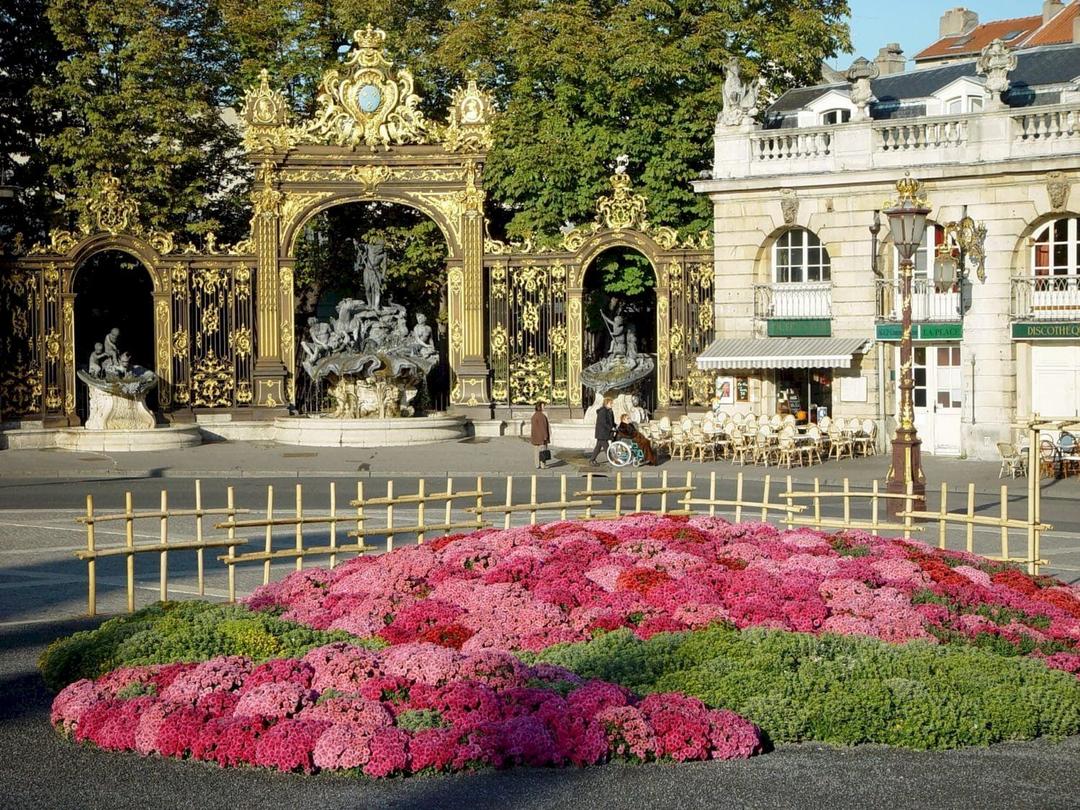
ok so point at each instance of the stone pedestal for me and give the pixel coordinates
(110, 411)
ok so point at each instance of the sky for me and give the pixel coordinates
(914, 23)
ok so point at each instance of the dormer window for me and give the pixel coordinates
(837, 116)
(963, 104)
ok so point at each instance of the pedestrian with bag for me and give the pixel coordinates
(605, 429)
(540, 437)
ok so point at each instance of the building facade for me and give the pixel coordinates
(807, 293)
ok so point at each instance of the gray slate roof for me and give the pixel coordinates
(1037, 68)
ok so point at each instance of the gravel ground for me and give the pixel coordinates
(40, 770)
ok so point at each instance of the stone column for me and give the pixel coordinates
(270, 371)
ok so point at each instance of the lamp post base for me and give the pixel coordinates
(906, 466)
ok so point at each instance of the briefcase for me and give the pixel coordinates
(545, 456)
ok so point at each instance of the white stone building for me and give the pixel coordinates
(807, 309)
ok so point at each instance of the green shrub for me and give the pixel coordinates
(180, 631)
(841, 689)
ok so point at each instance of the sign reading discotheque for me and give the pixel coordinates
(1046, 331)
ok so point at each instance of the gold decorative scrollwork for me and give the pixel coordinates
(111, 209)
(624, 208)
(240, 342)
(266, 115)
(369, 105)
(530, 378)
(213, 382)
(469, 127)
(180, 343)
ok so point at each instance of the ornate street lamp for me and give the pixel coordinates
(907, 224)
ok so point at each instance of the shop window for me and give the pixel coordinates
(919, 374)
(799, 257)
(802, 392)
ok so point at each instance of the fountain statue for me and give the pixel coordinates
(373, 362)
(618, 373)
(117, 387)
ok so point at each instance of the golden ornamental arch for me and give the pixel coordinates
(224, 314)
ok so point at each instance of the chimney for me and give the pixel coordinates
(890, 59)
(957, 21)
(1051, 9)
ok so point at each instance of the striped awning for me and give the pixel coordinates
(795, 352)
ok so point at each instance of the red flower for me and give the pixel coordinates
(641, 580)
(448, 635)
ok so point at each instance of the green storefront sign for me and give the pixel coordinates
(1046, 331)
(800, 327)
(922, 331)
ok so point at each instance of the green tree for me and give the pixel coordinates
(139, 92)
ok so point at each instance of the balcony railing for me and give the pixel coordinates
(1046, 298)
(915, 135)
(929, 301)
(795, 300)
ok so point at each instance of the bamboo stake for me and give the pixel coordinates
(479, 496)
(971, 513)
(449, 508)
(738, 498)
(790, 503)
(817, 502)
(943, 509)
(232, 549)
(909, 504)
(91, 563)
(509, 500)
(420, 512)
(765, 499)
(360, 509)
(390, 515)
(874, 509)
(333, 522)
(1034, 497)
(129, 542)
(588, 494)
(562, 496)
(199, 536)
(532, 501)
(847, 501)
(618, 496)
(663, 495)
(269, 531)
(689, 489)
(300, 526)
(1004, 525)
(712, 493)
(639, 495)
(164, 573)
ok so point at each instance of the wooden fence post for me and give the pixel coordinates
(1004, 526)
(532, 501)
(361, 539)
(230, 503)
(420, 490)
(509, 501)
(970, 544)
(299, 527)
(129, 542)
(269, 531)
(943, 510)
(790, 503)
(712, 493)
(91, 562)
(562, 497)
(874, 509)
(689, 494)
(333, 524)
(738, 498)
(618, 494)
(637, 498)
(588, 495)
(164, 573)
(479, 499)
(663, 495)
(448, 513)
(909, 505)
(847, 502)
(390, 515)
(199, 536)
(765, 498)
(817, 502)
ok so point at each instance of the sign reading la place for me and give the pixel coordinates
(1046, 330)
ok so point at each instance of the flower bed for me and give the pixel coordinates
(530, 588)
(840, 638)
(413, 708)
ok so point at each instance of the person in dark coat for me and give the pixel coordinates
(628, 430)
(540, 436)
(605, 429)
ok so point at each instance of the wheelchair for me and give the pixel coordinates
(624, 453)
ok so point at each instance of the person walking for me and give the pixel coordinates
(540, 436)
(605, 429)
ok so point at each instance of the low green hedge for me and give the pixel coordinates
(841, 689)
(179, 631)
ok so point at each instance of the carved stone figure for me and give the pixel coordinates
(623, 366)
(421, 337)
(373, 260)
(789, 205)
(117, 387)
(740, 98)
(617, 331)
(1057, 189)
(861, 73)
(95, 366)
(995, 63)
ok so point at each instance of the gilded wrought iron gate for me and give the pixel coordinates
(527, 333)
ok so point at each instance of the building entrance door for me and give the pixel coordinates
(1055, 379)
(938, 398)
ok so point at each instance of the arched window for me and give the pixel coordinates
(799, 257)
(1054, 252)
(837, 116)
